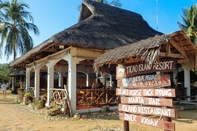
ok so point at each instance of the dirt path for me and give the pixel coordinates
(16, 117)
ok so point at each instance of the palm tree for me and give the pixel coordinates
(190, 26)
(190, 23)
(14, 28)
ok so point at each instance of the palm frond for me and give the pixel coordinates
(189, 25)
(16, 21)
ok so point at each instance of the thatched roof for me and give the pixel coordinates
(175, 45)
(17, 72)
(100, 26)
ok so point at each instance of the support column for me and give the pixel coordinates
(37, 83)
(175, 81)
(97, 77)
(50, 80)
(87, 79)
(187, 82)
(27, 78)
(60, 80)
(110, 79)
(105, 82)
(13, 83)
(72, 69)
(72, 80)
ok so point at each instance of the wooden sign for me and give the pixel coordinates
(148, 121)
(147, 110)
(123, 71)
(143, 91)
(147, 101)
(145, 81)
(146, 92)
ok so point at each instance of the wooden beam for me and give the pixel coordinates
(51, 49)
(84, 57)
(132, 60)
(177, 47)
(56, 55)
(38, 57)
(192, 60)
(182, 61)
(168, 51)
(173, 55)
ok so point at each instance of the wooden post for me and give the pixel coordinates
(92, 96)
(106, 99)
(68, 101)
(126, 125)
(65, 107)
(24, 100)
(138, 86)
(169, 119)
(163, 117)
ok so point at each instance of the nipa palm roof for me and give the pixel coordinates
(100, 26)
(175, 45)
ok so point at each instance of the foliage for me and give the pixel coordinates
(27, 94)
(115, 3)
(39, 103)
(14, 28)
(4, 70)
(190, 23)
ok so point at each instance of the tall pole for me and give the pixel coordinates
(157, 14)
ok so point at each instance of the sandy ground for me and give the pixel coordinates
(17, 117)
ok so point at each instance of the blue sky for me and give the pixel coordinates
(53, 16)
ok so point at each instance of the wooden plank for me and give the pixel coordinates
(147, 121)
(83, 98)
(68, 101)
(65, 106)
(146, 92)
(147, 110)
(123, 71)
(168, 50)
(145, 81)
(172, 55)
(147, 101)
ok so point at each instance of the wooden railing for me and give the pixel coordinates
(31, 90)
(97, 97)
(58, 95)
(85, 97)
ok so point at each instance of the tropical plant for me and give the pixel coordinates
(14, 27)
(190, 23)
(27, 94)
(4, 70)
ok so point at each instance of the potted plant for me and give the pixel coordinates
(26, 98)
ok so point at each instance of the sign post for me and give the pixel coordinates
(143, 92)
